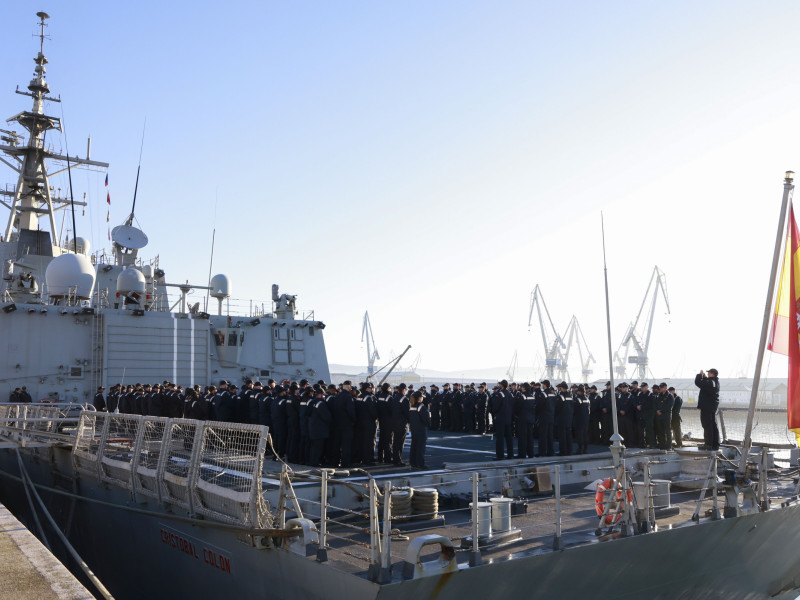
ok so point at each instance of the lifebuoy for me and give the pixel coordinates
(600, 501)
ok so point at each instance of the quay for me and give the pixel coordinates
(29, 571)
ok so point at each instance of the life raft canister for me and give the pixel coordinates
(607, 486)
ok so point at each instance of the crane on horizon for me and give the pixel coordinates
(553, 344)
(372, 350)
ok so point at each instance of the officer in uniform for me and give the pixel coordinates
(293, 424)
(647, 415)
(525, 421)
(279, 422)
(594, 415)
(112, 403)
(418, 420)
(99, 402)
(606, 416)
(502, 406)
(708, 403)
(436, 407)
(24, 396)
(447, 405)
(580, 420)
(319, 426)
(626, 414)
(344, 420)
(398, 410)
(675, 422)
(382, 400)
(468, 409)
(545, 417)
(564, 414)
(366, 423)
(663, 418)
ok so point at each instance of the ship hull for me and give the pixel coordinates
(149, 555)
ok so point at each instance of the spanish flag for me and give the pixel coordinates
(785, 337)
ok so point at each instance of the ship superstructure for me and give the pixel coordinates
(73, 320)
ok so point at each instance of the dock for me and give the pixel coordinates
(30, 571)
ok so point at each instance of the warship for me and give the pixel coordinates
(170, 507)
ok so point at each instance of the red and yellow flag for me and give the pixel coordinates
(785, 337)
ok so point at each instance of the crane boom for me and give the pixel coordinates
(553, 346)
(372, 350)
(635, 337)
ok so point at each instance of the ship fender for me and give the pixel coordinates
(600, 502)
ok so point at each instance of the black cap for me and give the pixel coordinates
(223, 382)
(563, 385)
(593, 387)
(503, 383)
(623, 385)
(644, 384)
(304, 382)
(608, 383)
(714, 371)
(402, 386)
(347, 382)
(634, 382)
(546, 382)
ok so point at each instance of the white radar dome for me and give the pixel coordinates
(130, 280)
(220, 286)
(70, 274)
(80, 245)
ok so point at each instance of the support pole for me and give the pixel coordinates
(788, 187)
(475, 554)
(557, 541)
(386, 551)
(715, 514)
(648, 524)
(322, 551)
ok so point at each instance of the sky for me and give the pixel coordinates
(432, 162)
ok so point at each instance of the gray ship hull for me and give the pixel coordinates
(153, 556)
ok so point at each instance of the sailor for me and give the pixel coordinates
(468, 409)
(319, 426)
(384, 423)
(398, 410)
(279, 426)
(344, 420)
(663, 417)
(481, 403)
(708, 403)
(224, 405)
(24, 396)
(264, 400)
(525, 421)
(545, 416)
(456, 410)
(675, 422)
(447, 404)
(595, 413)
(305, 445)
(502, 406)
(626, 415)
(435, 407)
(366, 424)
(564, 413)
(418, 420)
(14, 396)
(293, 408)
(243, 400)
(112, 402)
(606, 416)
(580, 420)
(647, 415)
(99, 402)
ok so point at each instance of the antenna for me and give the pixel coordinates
(138, 170)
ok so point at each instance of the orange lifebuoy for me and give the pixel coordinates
(600, 501)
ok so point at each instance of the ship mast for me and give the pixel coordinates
(31, 197)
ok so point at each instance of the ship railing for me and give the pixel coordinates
(207, 468)
(536, 507)
(27, 423)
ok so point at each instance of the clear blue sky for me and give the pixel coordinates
(431, 162)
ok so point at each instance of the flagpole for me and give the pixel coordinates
(747, 442)
(616, 439)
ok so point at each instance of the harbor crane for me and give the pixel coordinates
(553, 343)
(575, 339)
(637, 337)
(512, 368)
(372, 350)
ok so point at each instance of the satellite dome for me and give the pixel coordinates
(70, 274)
(220, 286)
(130, 280)
(80, 245)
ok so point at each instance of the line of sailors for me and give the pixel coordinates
(573, 415)
(310, 424)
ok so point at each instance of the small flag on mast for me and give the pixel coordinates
(785, 336)
(106, 179)
(108, 197)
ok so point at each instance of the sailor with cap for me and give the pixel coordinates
(481, 402)
(293, 408)
(626, 414)
(99, 402)
(545, 416)
(382, 399)
(708, 403)
(564, 414)
(580, 419)
(398, 410)
(319, 426)
(663, 417)
(606, 416)
(525, 421)
(344, 420)
(366, 424)
(279, 424)
(502, 407)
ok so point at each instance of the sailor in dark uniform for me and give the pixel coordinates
(502, 406)
(606, 416)
(626, 414)
(112, 402)
(99, 402)
(398, 410)
(525, 421)
(708, 403)
(344, 420)
(675, 422)
(545, 416)
(481, 403)
(594, 414)
(279, 426)
(319, 426)
(468, 409)
(580, 420)
(418, 420)
(24, 396)
(663, 408)
(564, 414)
(435, 407)
(366, 424)
(382, 399)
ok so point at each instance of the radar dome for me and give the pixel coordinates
(220, 286)
(130, 280)
(80, 245)
(70, 274)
